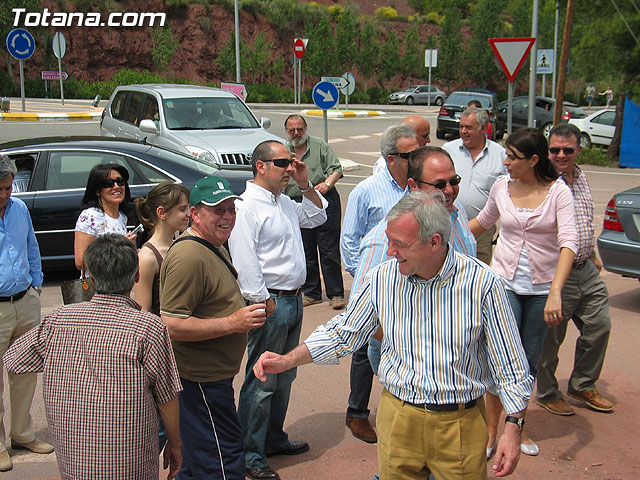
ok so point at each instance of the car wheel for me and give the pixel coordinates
(546, 130)
(440, 134)
(409, 101)
(439, 101)
(585, 141)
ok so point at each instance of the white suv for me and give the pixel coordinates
(209, 123)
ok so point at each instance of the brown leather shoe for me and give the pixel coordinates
(362, 429)
(558, 407)
(5, 461)
(306, 301)
(593, 399)
(337, 303)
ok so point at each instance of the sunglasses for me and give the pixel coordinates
(566, 150)
(280, 162)
(405, 155)
(110, 182)
(442, 184)
(425, 136)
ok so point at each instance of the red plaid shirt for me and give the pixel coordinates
(105, 366)
(584, 214)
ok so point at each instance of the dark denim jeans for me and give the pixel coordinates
(262, 407)
(529, 313)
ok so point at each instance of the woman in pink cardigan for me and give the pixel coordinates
(535, 249)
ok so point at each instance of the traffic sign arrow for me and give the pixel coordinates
(339, 82)
(511, 53)
(326, 95)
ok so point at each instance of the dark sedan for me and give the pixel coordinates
(619, 242)
(59, 170)
(542, 115)
(449, 115)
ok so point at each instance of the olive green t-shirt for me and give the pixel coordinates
(195, 282)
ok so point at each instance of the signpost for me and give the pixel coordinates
(59, 49)
(21, 45)
(511, 54)
(53, 75)
(544, 65)
(299, 49)
(430, 61)
(325, 96)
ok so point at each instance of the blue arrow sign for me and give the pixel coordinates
(20, 44)
(325, 95)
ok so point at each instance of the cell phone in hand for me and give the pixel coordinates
(139, 228)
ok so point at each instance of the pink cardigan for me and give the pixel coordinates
(551, 227)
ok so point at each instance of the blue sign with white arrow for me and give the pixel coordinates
(20, 44)
(325, 95)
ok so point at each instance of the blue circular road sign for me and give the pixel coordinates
(20, 44)
(325, 95)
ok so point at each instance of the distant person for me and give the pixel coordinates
(20, 289)
(105, 200)
(535, 249)
(324, 172)
(479, 162)
(108, 369)
(23, 175)
(423, 135)
(590, 93)
(609, 95)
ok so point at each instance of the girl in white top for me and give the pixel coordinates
(106, 196)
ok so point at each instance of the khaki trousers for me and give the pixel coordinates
(485, 246)
(413, 443)
(16, 318)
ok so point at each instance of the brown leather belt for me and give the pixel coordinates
(285, 293)
(14, 298)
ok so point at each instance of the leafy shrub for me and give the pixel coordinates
(594, 156)
(336, 11)
(269, 93)
(386, 13)
(164, 46)
(204, 22)
(434, 18)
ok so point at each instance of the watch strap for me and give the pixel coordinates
(517, 420)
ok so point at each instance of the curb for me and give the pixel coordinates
(344, 114)
(49, 117)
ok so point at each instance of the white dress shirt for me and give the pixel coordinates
(266, 243)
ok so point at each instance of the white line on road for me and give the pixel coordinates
(336, 140)
(360, 137)
(627, 173)
(367, 154)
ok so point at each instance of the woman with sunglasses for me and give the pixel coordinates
(164, 211)
(535, 249)
(105, 199)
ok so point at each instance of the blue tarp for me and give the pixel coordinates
(630, 143)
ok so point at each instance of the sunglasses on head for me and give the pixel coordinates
(110, 182)
(280, 162)
(442, 184)
(566, 150)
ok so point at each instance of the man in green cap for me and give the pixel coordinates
(208, 321)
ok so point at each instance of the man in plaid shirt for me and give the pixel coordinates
(584, 297)
(108, 370)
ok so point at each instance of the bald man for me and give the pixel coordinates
(422, 128)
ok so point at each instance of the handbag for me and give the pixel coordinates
(76, 291)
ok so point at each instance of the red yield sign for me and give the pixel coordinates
(298, 48)
(511, 53)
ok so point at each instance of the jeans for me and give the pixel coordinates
(262, 407)
(529, 313)
(361, 380)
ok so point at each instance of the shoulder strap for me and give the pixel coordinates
(211, 247)
(155, 252)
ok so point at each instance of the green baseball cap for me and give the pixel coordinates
(211, 191)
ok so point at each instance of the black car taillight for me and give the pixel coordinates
(443, 112)
(611, 220)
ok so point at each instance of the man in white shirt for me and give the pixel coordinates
(267, 250)
(479, 162)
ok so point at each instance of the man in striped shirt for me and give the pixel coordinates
(448, 335)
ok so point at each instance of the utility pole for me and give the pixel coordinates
(237, 25)
(564, 60)
(533, 60)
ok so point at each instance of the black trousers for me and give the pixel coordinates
(324, 240)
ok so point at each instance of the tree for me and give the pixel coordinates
(369, 52)
(346, 32)
(164, 46)
(7, 17)
(451, 53)
(390, 56)
(321, 56)
(412, 60)
(486, 22)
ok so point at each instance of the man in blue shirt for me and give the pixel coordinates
(20, 288)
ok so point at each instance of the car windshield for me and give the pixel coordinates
(410, 89)
(207, 168)
(458, 98)
(207, 114)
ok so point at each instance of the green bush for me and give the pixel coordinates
(386, 13)
(594, 156)
(433, 17)
(269, 93)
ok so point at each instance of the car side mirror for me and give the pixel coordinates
(148, 126)
(265, 122)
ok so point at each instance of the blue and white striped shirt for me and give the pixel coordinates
(368, 204)
(446, 339)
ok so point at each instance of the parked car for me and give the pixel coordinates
(418, 94)
(60, 168)
(596, 128)
(542, 115)
(449, 115)
(209, 123)
(619, 242)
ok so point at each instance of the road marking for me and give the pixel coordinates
(637, 174)
(336, 140)
(367, 154)
(360, 137)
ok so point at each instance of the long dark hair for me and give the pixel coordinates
(167, 195)
(97, 176)
(530, 142)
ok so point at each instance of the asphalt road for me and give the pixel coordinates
(588, 445)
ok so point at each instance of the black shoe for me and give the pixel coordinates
(262, 473)
(294, 448)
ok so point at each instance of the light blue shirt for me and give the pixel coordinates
(445, 340)
(374, 246)
(368, 204)
(20, 264)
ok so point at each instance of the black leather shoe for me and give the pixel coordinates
(294, 448)
(262, 473)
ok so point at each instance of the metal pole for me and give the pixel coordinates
(429, 93)
(555, 52)
(22, 85)
(533, 56)
(300, 82)
(509, 107)
(295, 79)
(237, 21)
(544, 84)
(60, 68)
(326, 126)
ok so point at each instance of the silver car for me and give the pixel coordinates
(418, 94)
(209, 123)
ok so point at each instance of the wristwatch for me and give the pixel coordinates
(307, 189)
(326, 182)
(518, 421)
